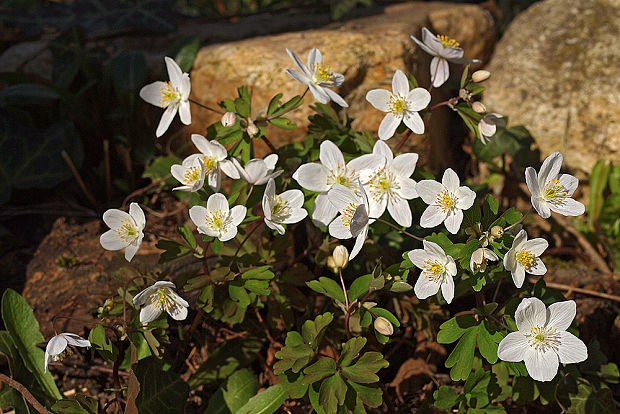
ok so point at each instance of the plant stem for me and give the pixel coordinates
(520, 220)
(206, 107)
(451, 101)
(249, 193)
(25, 393)
(346, 305)
(78, 177)
(496, 290)
(247, 236)
(289, 109)
(402, 141)
(399, 229)
(269, 144)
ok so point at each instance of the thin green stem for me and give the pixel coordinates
(520, 220)
(289, 109)
(346, 305)
(206, 107)
(399, 229)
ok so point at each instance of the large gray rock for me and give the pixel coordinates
(557, 71)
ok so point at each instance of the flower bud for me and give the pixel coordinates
(497, 231)
(229, 119)
(341, 257)
(464, 94)
(478, 107)
(252, 130)
(480, 76)
(383, 326)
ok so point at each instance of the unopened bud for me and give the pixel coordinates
(383, 326)
(229, 119)
(497, 231)
(252, 130)
(480, 75)
(464, 94)
(478, 107)
(341, 257)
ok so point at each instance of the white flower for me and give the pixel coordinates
(480, 258)
(159, 298)
(391, 186)
(353, 220)
(256, 171)
(446, 201)
(229, 119)
(438, 271)
(552, 191)
(318, 77)
(523, 257)
(218, 219)
(172, 95)
(443, 49)
(541, 340)
(285, 208)
(332, 169)
(488, 126)
(340, 257)
(191, 173)
(214, 158)
(125, 230)
(56, 349)
(401, 105)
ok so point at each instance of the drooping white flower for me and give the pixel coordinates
(57, 347)
(523, 257)
(438, 271)
(159, 298)
(173, 96)
(256, 171)
(480, 258)
(541, 340)
(390, 187)
(552, 191)
(401, 104)
(285, 208)
(218, 219)
(191, 173)
(488, 126)
(318, 77)
(443, 49)
(213, 155)
(353, 220)
(125, 230)
(320, 177)
(446, 201)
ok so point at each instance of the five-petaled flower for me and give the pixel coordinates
(57, 347)
(487, 127)
(256, 171)
(438, 271)
(541, 340)
(125, 230)
(285, 208)
(318, 77)
(353, 220)
(401, 104)
(218, 219)
(191, 173)
(552, 191)
(332, 170)
(523, 257)
(480, 258)
(446, 201)
(213, 155)
(172, 96)
(390, 186)
(443, 49)
(158, 298)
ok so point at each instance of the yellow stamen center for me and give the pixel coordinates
(554, 192)
(447, 41)
(218, 221)
(322, 73)
(347, 214)
(446, 201)
(128, 231)
(210, 163)
(433, 270)
(169, 95)
(525, 258)
(342, 175)
(397, 104)
(279, 208)
(64, 354)
(384, 183)
(192, 175)
(162, 299)
(543, 338)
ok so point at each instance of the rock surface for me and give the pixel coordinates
(557, 71)
(366, 50)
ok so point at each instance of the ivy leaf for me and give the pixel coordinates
(266, 402)
(351, 350)
(313, 330)
(328, 287)
(234, 393)
(481, 387)
(446, 398)
(322, 368)
(488, 339)
(364, 370)
(462, 357)
(160, 391)
(332, 393)
(454, 328)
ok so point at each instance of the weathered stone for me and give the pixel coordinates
(557, 71)
(366, 50)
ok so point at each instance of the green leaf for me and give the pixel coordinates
(23, 328)
(27, 94)
(184, 52)
(294, 355)
(371, 395)
(283, 123)
(260, 287)
(173, 250)
(101, 343)
(454, 328)
(312, 331)
(350, 350)
(481, 387)
(332, 393)
(598, 183)
(262, 273)
(129, 74)
(359, 287)
(69, 407)
(235, 392)
(588, 401)
(160, 391)
(9, 397)
(328, 287)
(188, 235)
(472, 216)
(160, 169)
(266, 402)
(238, 294)
(462, 357)
(446, 398)
(322, 368)
(364, 370)
(488, 339)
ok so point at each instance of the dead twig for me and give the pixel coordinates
(589, 250)
(570, 288)
(78, 177)
(26, 394)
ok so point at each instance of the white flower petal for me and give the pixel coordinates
(407, 189)
(561, 314)
(379, 98)
(519, 239)
(434, 250)
(198, 214)
(423, 46)
(541, 207)
(425, 287)
(56, 345)
(531, 179)
(174, 72)
(568, 207)
(131, 249)
(569, 182)
(255, 169)
(338, 230)
(453, 221)
(110, 240)
(294, 198)
(137, 215)
(465, 198)
(418, 257)
(518, 275)
(274, 226)
(535, 246)
(513, 347)
(114, 218)
(166, 120)
(537, 267)
(428, 190)
(298, 76)
(314, 57)
(340, 197)
(229, 234)
(542, 366)
(400, 212)
(228, 167)
(76, 340)
(366, 163)
(452, 53)
(418, 99)
(149, 313)
(336, 98)
(151, 93)
(550, 168)
(217, 202)
(431, 40)
(414, 122)
(571, 349)
(400, 84)
(319, 94)
(388, 125)
(178, 312)
(433, 216)
(440, 71)
(237, 214)
(185, 112)
(270, 161)
(447, 288)
(530, 313)
(359, 243)
(324, 211)
(296, 216)
(450, 180)
(299, 63)
(331, 156)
